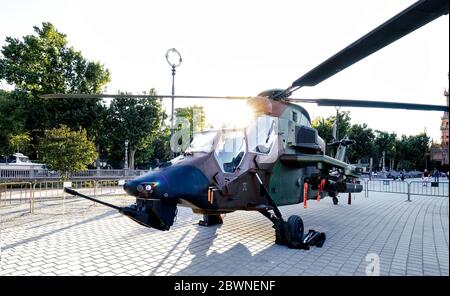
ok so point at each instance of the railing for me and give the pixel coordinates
(428, 188)
(16, 174)
(387, 186)
(12, 175)
(16, 193)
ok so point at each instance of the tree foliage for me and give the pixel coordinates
(156, 153)
(67, 151)
(20, 141)
(43, 63)
(385, 142)
(364, 146)
(135, 120)
(406, 152)
(195, 115)
(411, 151)
(12, 119)
(325, 127)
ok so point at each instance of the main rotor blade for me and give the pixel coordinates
(118, 96)
(371, 104)
(407, 21)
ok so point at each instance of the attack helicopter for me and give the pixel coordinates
(279, 159)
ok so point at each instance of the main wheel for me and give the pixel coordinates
(295, 229)
(335, 200)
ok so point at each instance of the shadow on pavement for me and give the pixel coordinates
(35, 238)
(202, 261)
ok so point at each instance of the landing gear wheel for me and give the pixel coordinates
(295, 230)
(335, 200)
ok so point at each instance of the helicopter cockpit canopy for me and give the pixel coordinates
(230, 149)
(230, 145)
(202, 142)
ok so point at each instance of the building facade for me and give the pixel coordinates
(440, 153)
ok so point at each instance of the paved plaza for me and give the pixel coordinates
(405, 238)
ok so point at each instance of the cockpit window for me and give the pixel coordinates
(304, 121)
(300, 118)
(262, 134)
(202, 142)
(294, 116)
(230, 150)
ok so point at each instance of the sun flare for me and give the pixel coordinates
(229, 114)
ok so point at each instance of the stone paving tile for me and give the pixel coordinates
(408, 238)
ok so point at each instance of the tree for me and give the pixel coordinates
(156, 153)
(67, 151)
(195, 115)
(135, 120)
(403, 151)
(385, 142)
(411, 151)
(364, 145)
(325, 127)
(12, 119)
(44, 63)
(344, 123)
(19, 142)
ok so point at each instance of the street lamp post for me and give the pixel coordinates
(426, 158)
(125, 166)
(336, 125)
(174, 59)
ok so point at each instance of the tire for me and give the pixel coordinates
(295, 229)
(335, 200)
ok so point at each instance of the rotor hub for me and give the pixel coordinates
(275, 94)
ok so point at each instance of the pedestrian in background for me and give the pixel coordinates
(425, 177)
(402, 175)
(436, 174)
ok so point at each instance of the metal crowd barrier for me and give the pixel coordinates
(429, 188)
(387, 186)
(409, 188)
(16, 193)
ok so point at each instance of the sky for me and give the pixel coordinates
(240, 48)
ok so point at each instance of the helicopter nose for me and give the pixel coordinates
(145, 187)
(171, 183)
(137, 187)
